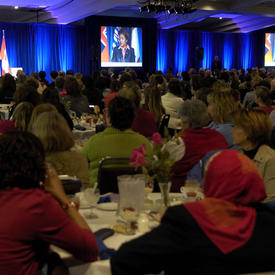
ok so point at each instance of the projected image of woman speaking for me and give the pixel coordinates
(124, 52)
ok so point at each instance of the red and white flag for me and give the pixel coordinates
(4, 57)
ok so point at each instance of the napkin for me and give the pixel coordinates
(104, 251)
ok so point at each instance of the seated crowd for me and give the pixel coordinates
(232, 115)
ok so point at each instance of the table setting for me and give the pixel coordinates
(126, 215)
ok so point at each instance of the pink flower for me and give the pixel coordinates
(63, 93)
(157, 139)
(137, 157)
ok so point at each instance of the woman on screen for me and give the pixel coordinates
(124, 52)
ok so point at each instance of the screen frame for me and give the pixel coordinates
(122, 65)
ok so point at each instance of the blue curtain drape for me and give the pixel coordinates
(36, 47)
(234, 50)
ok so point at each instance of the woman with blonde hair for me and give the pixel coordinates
(22, 115)
(221, 105)
(57, 139)
(252, 132)
(153, 102)
(39, 109)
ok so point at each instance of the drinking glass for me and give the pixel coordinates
(131, 199)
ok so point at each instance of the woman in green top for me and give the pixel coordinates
(117, 140)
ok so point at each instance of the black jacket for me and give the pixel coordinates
(118, 57)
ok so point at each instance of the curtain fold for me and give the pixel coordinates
(234, 50)
(36, 47)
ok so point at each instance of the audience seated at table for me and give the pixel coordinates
(8, 88)
(221, 105)
(78, 102)
(229, 232)
(32, 218)
(144, 122)
(252, 132)
(171, 101)
(25, 93)
(22, 115)
(115, 87)
(198, 140)
(39, 109)
(117, 140)
(153, 104)
(53, 131)
(51, 95)
(263, 99)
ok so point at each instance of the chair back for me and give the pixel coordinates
(108, 171)
(163, 124)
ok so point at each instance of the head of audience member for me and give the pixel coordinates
(54, 75)
(6, 126)
(193, 114)
(152, 97)
(115, 85)
(20, 76)
(31, 82)
(34, 75)
(27, 93)
(247, 185)
(185, 76)
(221, 105)
(22, 115)
(157, 80)
(53, 131)
(252, 129)
(195, 83)
(131, 91)
(174, 87)
(88, 82)
(121, 113)
(72, 87)
(9, 83)
(70, 73)
(51, 95)
(39, 109)
(202, 94)
(124, 77)
(59, 83)
(42, 76)
(21, 161)
(262, 96)
(61, 73)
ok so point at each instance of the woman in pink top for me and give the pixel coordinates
(33, 218)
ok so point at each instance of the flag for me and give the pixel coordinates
(4, 57)
(104, 46)
(135, 43)
(268, 49)
(116, 37)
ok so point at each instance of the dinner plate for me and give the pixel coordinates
(108, 206)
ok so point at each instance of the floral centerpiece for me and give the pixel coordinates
(157, 167)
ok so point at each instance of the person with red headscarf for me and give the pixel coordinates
(229, 232)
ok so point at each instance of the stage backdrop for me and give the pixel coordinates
(177, 50)
(36, 47)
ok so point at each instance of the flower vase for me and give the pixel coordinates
(164, 190)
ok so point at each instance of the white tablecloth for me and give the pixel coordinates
(105, 220)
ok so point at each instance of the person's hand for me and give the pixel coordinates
(54, 186)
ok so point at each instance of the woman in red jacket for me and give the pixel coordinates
(32, 218)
